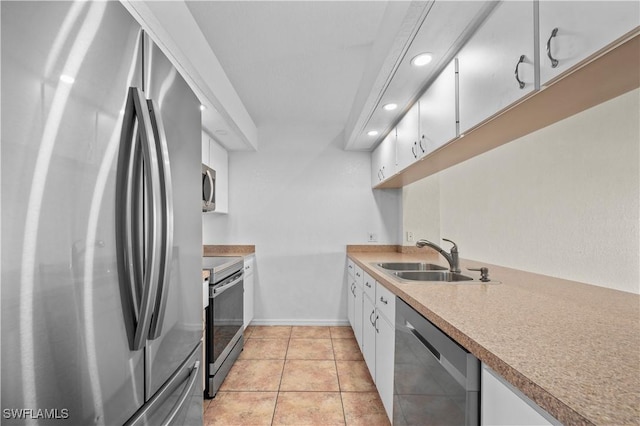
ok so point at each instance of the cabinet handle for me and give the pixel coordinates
(357, 274)
(520, 82)
(383, 300)
(371, 316)
(367, 284)
(554, 61)
(413, 150)
(375, 324)
(379, 175)
(421, 147)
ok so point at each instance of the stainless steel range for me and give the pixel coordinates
(224, 324)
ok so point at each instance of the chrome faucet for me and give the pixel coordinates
(452, 258)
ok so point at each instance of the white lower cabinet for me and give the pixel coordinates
(369, 335)
(249, 291)
(502, 404)
(371, 313)
(385, 351)
(354, 308)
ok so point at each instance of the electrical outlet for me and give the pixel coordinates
(409, 236)
(372, 237)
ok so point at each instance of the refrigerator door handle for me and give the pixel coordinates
(193, 377)
(166, 248)
(137, 260)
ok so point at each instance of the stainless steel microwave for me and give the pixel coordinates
(208, 189)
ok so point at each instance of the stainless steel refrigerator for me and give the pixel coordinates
(101, 222)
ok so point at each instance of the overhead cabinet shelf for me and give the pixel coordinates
(478, 103)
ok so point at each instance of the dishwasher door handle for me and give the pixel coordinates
(444, 362)
(422, 340)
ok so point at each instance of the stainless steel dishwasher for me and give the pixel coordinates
(436, 381)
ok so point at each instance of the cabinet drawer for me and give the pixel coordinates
(386, 302)
(358, 275)
(369, 286)
(351, 267)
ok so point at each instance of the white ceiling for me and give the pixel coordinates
(293, 62)
(329, 63)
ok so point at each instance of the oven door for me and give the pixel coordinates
(225, 318)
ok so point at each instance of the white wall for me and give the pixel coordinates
(301, 199)
(563, 201)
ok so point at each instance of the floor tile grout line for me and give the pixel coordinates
(335, 363)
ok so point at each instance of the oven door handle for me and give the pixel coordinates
(218, 291)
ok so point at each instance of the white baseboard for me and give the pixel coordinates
(323, 323)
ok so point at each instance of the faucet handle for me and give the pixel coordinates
(454, 249)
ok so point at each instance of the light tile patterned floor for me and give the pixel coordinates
(297, 376)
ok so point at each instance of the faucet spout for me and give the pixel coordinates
(452, 257)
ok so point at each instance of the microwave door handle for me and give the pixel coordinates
(166, 248)
(211, 187)
(135, 286)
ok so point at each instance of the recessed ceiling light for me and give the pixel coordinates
(390, 107)
(421, 59)
(372, 133)
(67, 79)
(202, 107)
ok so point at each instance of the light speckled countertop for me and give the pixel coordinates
(573, 348)
(228, 250)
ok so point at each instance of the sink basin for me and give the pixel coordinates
(432, 276)
(411, 266)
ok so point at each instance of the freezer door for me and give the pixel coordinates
(66, 68)
(179, 400)
(177, 325)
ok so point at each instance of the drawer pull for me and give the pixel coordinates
(383, 300)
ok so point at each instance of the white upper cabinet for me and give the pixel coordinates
(438, 111)
(407, 134)
(383, 159)
(496, 66)
(205, 149)
(570, 31)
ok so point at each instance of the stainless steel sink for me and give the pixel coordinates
(411, 266)
(445, 276)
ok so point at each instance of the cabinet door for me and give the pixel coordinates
(385, 350)
(504, 405)
(248, 291)
(369, 335)
(407, 134)
(357, 313)
(219, 161)
(383, 159)
(583, 28)
(205, 149)
(487, 63)
(351, 296)
(438, 111)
